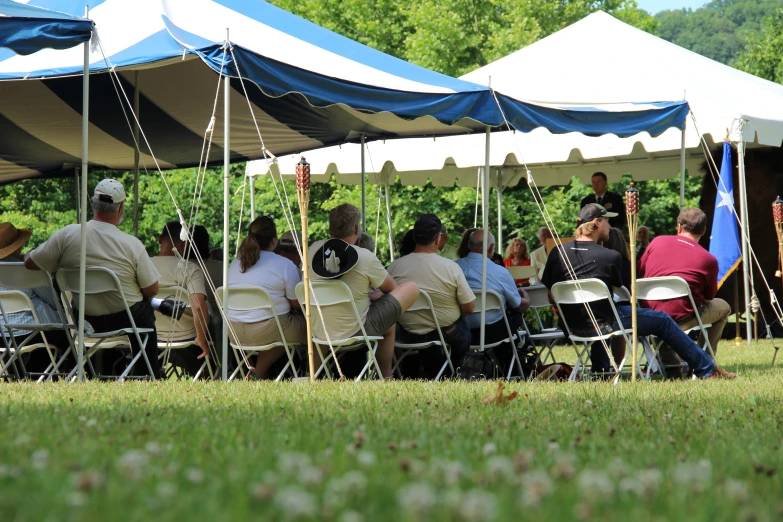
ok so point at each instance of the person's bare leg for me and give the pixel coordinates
(618, 349)
(385, 351)
(266, 359)
(406, 294)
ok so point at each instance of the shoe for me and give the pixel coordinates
(172, 308)
(724, 374)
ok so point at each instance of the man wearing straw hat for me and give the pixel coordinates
(108, 247)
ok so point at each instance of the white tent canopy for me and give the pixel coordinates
(596, 60)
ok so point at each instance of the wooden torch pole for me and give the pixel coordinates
(777, 215)
(303, 196)
(632, 214)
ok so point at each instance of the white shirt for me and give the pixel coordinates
(187, 275)
(275, 274)
(109, 247)
(538, 261)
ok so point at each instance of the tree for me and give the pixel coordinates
(763, 55)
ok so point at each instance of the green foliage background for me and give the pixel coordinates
(453, 37)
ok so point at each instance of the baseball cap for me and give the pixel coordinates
(287, 239)
(110, 191)
(593, 210)
(426, 228)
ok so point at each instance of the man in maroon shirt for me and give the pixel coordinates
(682, 256)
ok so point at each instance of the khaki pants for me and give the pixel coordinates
(265, 332)
(716, 312)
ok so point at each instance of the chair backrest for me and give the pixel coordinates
(16, 277)
(539, 296)
(581, 291)
(662, 288)
(522, 272)
(246, 297)
(493, 301)
(14, 302)
(327, 293)
(622, 294)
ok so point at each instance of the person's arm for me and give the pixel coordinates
(150, 291)
(524, 303)
(295, 304)
(29, 263)
(467, 308)
(198, 304)
(388, 285)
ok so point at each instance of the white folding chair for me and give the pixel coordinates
(99, 280)
(16, 277)
(245, 298)
(166, 344)
(583, 292)
(546, 337)
(326, 294)
(672, 287)
(423, 302)
(495, 302)
(522, 272)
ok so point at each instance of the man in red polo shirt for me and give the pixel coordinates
(682, 256)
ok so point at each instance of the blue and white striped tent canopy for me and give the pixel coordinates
(25, 29)
(308, 87)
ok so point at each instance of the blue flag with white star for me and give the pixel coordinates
(725, 239)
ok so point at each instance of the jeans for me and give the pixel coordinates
(651, 322)
(432, 359)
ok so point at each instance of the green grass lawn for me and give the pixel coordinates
(680, 450)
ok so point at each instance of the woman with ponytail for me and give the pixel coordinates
(256, 264)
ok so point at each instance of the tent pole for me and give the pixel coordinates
(364, 192)
(136, 154)
(78, 203)
(388, 218)
(745, 236)
(226, 209)
(83, 210)
(499, 191)
(682, 170)
(485, 246)
(252, 198)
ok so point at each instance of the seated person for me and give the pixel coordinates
(359, 269)
(446, 285)
(43, 299)
(408, 244)
(256, 264)
(682, 256)
(588, 259)
(213, 279)
(499, 280)
(188, 275)
(287, 247)
(617, 243)
(366, 241)
(538, 257)
(123, 254)
(516, 255)
(462, 249)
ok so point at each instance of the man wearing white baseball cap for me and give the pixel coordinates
(123, 254)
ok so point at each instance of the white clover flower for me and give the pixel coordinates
(365, 458)
(595, 484)
(131, 464)
(295, 503)
(40, 459)
(500, 468)
(536, 485)
(478, 505)
(166, 490)
(693, 476)
(736, 490)
(448, 472)
(631, 485)
(553, 447)
(154, 449)
(650, 480)
(91, 423)
(351, 516)
(195, 475)
(310, 476)
(417, 499)
(355, 482)
(489, 449)
(76, 498)
(290, 464)
(588, 403)
(564, 467)
(618, 468)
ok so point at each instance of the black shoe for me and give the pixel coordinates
(172, 308)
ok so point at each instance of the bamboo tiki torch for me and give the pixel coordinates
(303, 197)
(777, 216)
(632, 214)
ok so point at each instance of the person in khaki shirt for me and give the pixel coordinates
(123, 254)
(445, 283)
(176, 270)
(379, 309)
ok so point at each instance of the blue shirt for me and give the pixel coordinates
(498, 279)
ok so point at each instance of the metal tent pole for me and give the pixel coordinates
(226, 209)
(745, 236)
(252, 198)
(364, 192)
(499, 192)
(388, 217)
(83, 210)
(485, 247)
(682, 170)
(136, 155)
